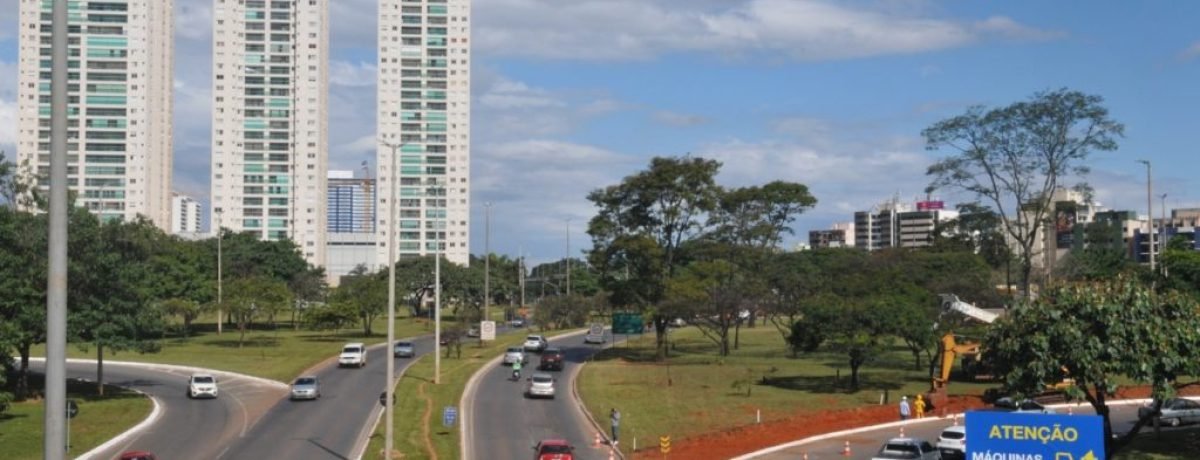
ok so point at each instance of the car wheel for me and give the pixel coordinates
(1173, 422)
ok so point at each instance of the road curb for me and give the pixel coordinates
(853, 431)
(583, 408)
(151, 419)
(176, 367)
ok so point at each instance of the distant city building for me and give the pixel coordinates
(119, 90)
(351, 203)
(270, 120)
(834, 238)
(900, 225)
(424, 113)
(1183, 223)
(185, 214)
(876, 229)
(917, 229)
(345, 251)
(1062, 224)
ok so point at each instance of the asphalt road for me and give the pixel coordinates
(187, 428)
(330, 427)
(506, 425)
(864, 445)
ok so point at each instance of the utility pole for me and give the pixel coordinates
(437, 292)
(521, 273)
(54, 444)
(487, 258)
(1149, 212)
(1162, 223)
(220, 236)
(391, 326)
(568, 257)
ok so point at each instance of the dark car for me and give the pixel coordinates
(552, 360)
(138, 455)
(553, 449)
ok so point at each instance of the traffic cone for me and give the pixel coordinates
(846, 450)
(806, 456)
(955, 419)
(612, 454)
(901, 431)
(1070, 411)
(596, 442)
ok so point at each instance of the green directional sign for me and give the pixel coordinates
(627, 323)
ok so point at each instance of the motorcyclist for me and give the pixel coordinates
(516, 370)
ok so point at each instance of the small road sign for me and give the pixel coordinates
(664, 444)
(449, 415)
(72, 408)
(487, 330)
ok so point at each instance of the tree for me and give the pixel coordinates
(307, 287)
(246, 298)
(23, 272)
(1015, 157)
(710, 291)
(560, 312)
(1181, 266)
(363, 293)
(187, 310)
(640, 226)
(1096, 333)
(858, 330)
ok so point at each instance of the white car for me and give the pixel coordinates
(540, 386)
(202, 385)
(595, 334)
(353, 354)
(515, 355)
(952, 443)
(907, 449)
(536, 343)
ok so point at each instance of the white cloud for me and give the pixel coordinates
(344, 73)
(1191, 52)
(8, 109)
(803, 30)
(668, 117)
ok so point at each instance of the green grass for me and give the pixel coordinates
(279, 354)
(694, 392)
(416, 394)
(99, 419)
(1173, 445)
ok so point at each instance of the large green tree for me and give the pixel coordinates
(641, 225)
(248, 298)
(1015, 157)
(1096, 334)
(23, 282)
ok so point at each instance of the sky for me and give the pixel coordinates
(573, 95)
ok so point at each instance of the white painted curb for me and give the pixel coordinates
(174, 367)
(853, 431)
(151, 419)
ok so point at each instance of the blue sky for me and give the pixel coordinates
(573, 95)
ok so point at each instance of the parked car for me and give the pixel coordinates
(515, 354)
(517, 322)
(138, 455)
(906, 449)
(404, 350)
(202, 385)
(307, 387)
(553, 449)
(551, 360)
(1025, 405)
(536, 343)
(952, 443)
(1175, 411)
(541, 385)
(353, 354)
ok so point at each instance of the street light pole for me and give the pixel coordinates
(568, 257)
(487, 258)
(1149, 212)
(437, 293)
(54, 422)
(220, 279)
(391, 325)
(1162, 223)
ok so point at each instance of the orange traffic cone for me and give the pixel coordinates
(806, 456)
(901, 431)
(955, 419)
(612, 454)
(596, 442)
(846, 450)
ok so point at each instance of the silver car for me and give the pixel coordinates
(540, 386)
(1175, 411)
(514, 355)
(404, 350)
(307, 387)
(907, 449)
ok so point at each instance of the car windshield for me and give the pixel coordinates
(543, 379)
(514, 350)
(202, 379)
(306, 381)
(350, 350)
(556, 449)
(552, 351)
(533, 338)
(403, 345)
(899, 451)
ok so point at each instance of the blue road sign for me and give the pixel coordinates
(1034, 436)
(449, 414)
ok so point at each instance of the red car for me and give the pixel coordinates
(138, 455)
(554, 449)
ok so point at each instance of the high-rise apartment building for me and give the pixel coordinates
(119, 104)
(185, 215)
(424, 114)
(351, 203)
(270, 136)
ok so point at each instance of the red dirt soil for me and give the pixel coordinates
(743, 440)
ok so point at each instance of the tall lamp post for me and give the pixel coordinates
(437, 290)
(487, 259)
(54, 426)
(220, 279)
(391, 324)
(1149, 212)
(568, 257)
(1162, 223)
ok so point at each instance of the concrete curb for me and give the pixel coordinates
(853, 431)
(175, 367)
(583, 408)
(151, 419)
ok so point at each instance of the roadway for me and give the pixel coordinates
(187, 428)
(865, 444)
(506, 425)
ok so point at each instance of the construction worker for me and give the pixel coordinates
(919, 406)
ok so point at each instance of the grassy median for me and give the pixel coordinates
(99, 419)
(697, 391)
(418, 430)
(278, 353)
